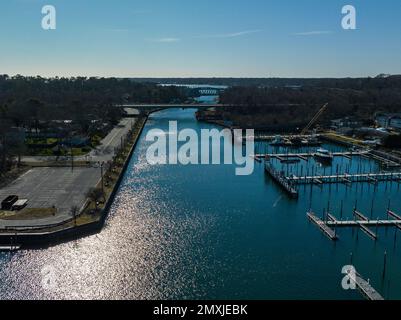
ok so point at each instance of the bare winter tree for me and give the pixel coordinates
(74, 211)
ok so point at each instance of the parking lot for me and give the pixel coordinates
(61, 187)
(48, 187)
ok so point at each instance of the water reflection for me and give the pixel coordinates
(194, 232)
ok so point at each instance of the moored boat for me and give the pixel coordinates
(324, 155)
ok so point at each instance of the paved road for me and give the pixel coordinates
(105, 151)
(132, 112)
(47, 187)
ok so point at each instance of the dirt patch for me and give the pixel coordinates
(28, 214)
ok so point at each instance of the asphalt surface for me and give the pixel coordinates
(48, 187)
(105, 151)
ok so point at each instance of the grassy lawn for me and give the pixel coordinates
(41, 141)
(46, 147)
(27, 214)
(345, 138)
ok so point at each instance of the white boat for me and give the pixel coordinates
(277, 141)
(324, 155)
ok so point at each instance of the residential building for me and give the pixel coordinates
(389, 120)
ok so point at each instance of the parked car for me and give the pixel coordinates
(19, 205)
(7, 203)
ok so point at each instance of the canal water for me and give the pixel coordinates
(201, 232)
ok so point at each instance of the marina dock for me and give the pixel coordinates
(347, 178)
(360, 215)
(290, 181)
(323, 226)
(330, 226)
(357, 223)
(331, 217)
(388, 162)
(306, 156)
(369, 232)
(282, 181)
(366, 289)
(394, 215)
(361, 284)
(363, 227)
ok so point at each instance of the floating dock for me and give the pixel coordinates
(347, 178)
(366, 289)
(369, 232)
(389, 162)
(282, 181)
(331, 217)
(394, 215)
(360, 215)
(10, 248)
(330, 226)
(361, 284)
(370, 223)
(306, 156)
(330, 233)
(363, 227)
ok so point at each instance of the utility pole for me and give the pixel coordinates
(72, 159)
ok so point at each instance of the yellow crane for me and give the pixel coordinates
(315, 118)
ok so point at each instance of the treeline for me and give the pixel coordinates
(381, 80)
(26, 100)
(33, 102)
(284, 107)
(58, 91)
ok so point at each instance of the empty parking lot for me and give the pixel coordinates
(59, 187)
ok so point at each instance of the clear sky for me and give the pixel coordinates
(189, 38)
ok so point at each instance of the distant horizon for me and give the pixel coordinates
(195, 77)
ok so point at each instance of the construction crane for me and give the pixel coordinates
(315, 118)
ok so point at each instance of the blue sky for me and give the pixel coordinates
(188, 38)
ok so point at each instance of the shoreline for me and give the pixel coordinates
(61, 233)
